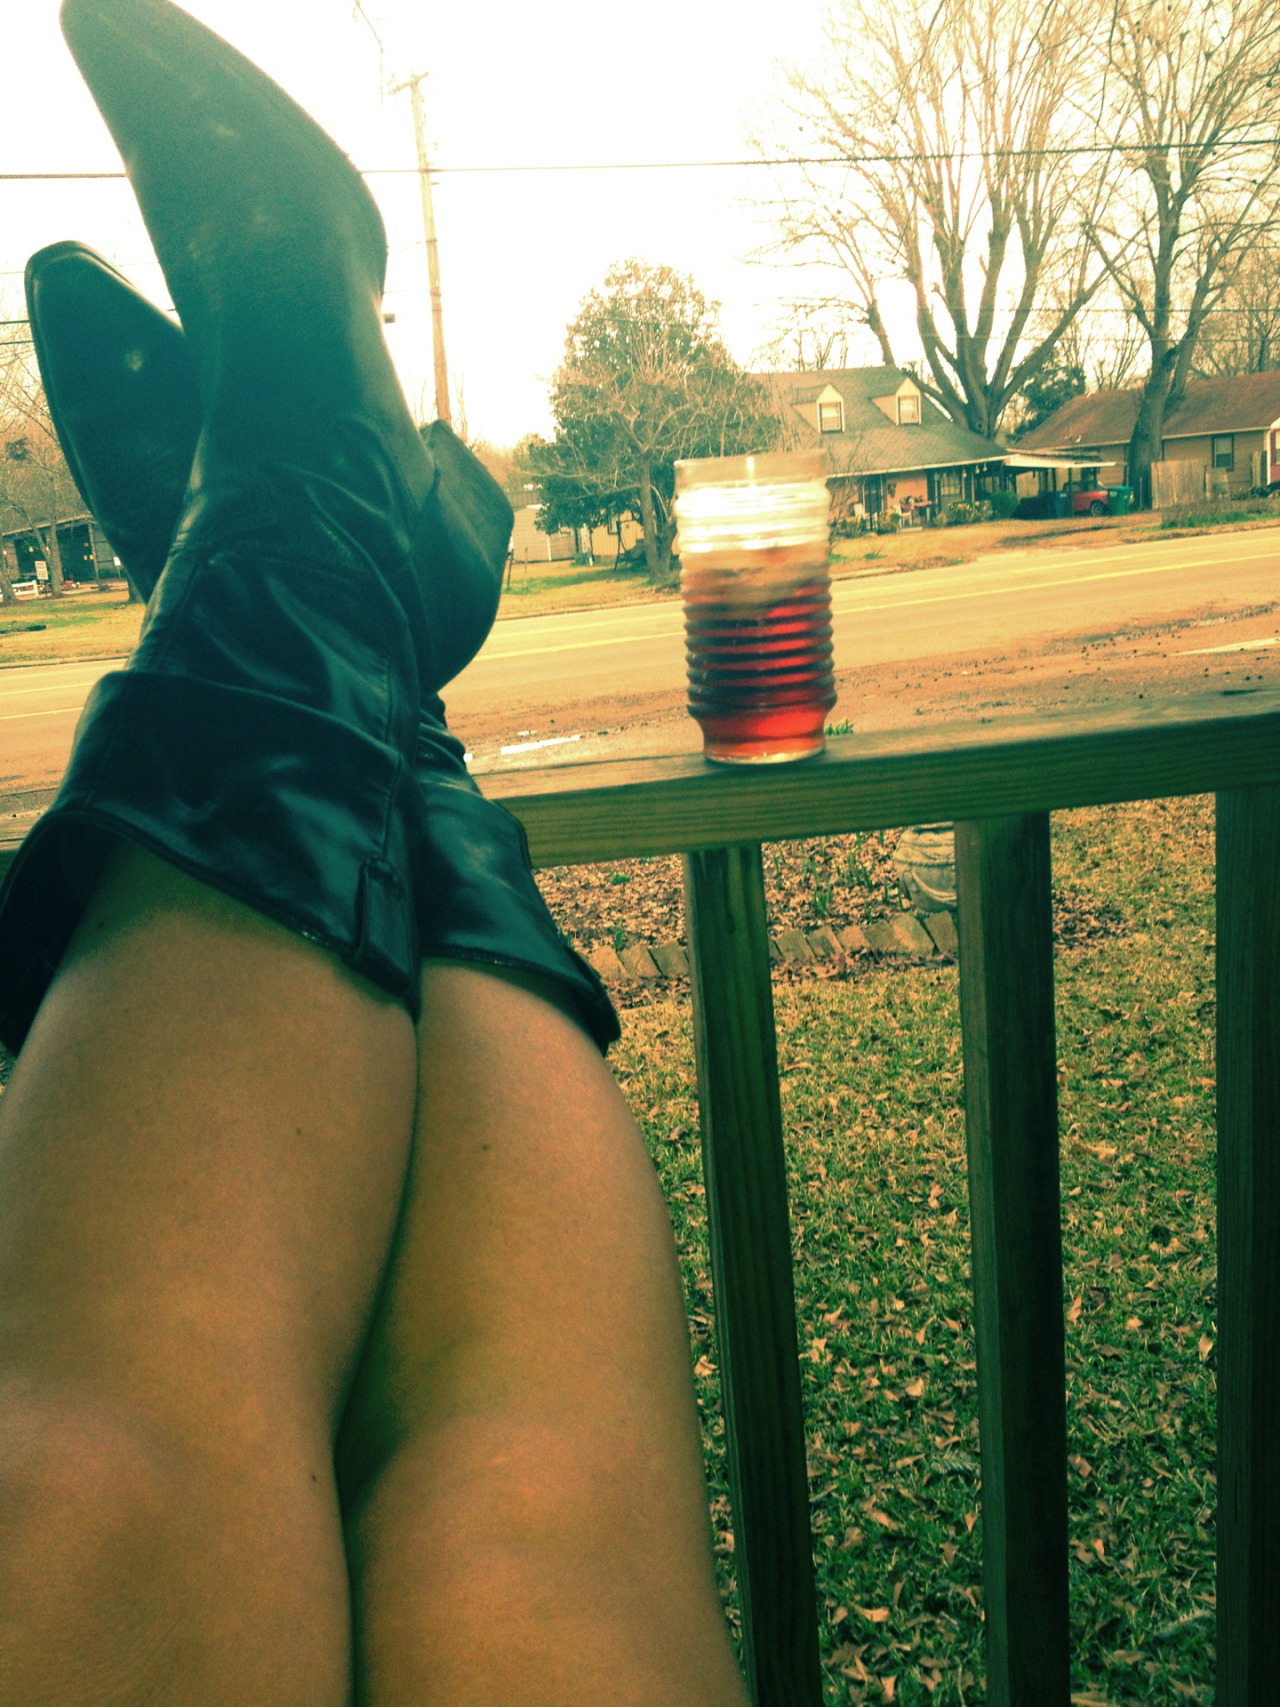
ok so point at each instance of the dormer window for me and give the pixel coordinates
(831, 417)
(909, 410)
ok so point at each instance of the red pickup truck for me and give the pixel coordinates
(1073, 499)
(1088, 499)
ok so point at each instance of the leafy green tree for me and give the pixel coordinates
(570, 495)
(645, 381)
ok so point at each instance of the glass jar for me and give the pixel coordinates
(751, 533)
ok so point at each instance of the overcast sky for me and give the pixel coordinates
(570, 82)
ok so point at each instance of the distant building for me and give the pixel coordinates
(530, 545)
(885, 443)
(82, 545)
(1228, 427)
(36, 489)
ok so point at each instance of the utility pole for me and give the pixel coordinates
(413, 85)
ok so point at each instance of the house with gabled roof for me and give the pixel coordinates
(887, 445)
(1228, 426)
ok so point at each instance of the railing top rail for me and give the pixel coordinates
(616, 809)
(577, 814)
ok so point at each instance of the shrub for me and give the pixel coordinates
(1003, 504)
(959, 514)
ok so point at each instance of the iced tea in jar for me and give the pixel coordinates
(751, 533)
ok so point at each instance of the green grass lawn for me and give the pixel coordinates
(872, 1100)
(1223, 513)
(90, 624)
(83, 624)
(541, 589)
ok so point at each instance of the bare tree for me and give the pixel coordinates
(1105, 344)
(1241, 334)
(36, 489)
(9, 352)
(1111, 354)
(957, 121)
(1192, 100)
(808, 337)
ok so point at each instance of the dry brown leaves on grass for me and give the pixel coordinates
(871, 1089)
(833, 881)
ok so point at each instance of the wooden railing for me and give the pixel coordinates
(999, 783)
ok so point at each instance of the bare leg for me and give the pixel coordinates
(201, 1160)
(529, 1522)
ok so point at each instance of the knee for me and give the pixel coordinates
(138, 1568)
(86, 1493)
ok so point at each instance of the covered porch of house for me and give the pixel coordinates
(82, 547)
(912, 497)
(1034, 476)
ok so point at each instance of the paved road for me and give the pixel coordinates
(534, 670)
(1002, 602)
(39, 706)
(540, 668)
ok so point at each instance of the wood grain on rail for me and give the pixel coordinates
(1248, 1073)
(627, 808)
(579, 814)
(1011, 1119)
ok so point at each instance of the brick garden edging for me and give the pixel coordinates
(920, 935)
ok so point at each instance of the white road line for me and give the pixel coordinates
(562, 646)
(1003, 578)
(62, 711)
(672, 625)
(55, 687)
(1232, 646)
(583, 619)
(1006, 574)
(847, 605)
(848, 594)
(530, 746)
(15, 672)
(1043, 586)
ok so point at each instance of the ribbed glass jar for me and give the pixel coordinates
(751, 533)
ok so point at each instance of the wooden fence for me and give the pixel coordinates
(999, 783)
(1174, 483)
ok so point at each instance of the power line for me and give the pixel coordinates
(1066, 151)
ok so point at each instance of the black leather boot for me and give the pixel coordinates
(122, 395)
(274, 254)
(128, 438)
(262, 738)
(477, 898)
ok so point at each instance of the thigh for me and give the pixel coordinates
(202, 1151)
(527, 1518)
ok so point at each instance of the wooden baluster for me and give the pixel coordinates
(1010, 1075)
(1248, 1074)
(745, 1172)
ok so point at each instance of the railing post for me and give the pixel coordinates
(745, 1171)
(1010, 1075)
(1248, 1074)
